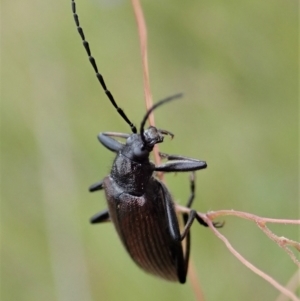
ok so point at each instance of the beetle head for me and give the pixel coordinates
(152, 135)
(136, 149)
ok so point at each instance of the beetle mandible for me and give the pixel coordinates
(139, 205)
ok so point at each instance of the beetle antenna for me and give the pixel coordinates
(99, 76)
(161, 102)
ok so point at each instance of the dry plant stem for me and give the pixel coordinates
(214, 214)
(260, 221)
(278, 286)
(148, 97)
(194, 281)
(140, 20)
(282, 242)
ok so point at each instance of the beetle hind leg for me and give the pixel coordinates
(186, 233)
(100, 217)
(189, 218)
(190, 202)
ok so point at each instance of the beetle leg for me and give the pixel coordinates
(192, 187)
(178, 163)
(111, 143)
(176, 157)
(185, 220)
(173, 227)
(191, 217)
(96, 186)
(188, 221)
(171, 215)
(102, 216)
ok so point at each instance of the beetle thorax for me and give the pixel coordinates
(132, 168)
(131, 176)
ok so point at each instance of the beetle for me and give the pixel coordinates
(140, 205)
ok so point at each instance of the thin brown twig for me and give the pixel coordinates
(214, 214)
(260, 221)
(140, 20)
(195, 282)
(257, 271)
(282, 242)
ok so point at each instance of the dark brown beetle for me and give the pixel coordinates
(139, 205)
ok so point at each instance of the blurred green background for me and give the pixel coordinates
(236, 62)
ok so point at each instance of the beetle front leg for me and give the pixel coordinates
(179, 163)
(111, 143)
